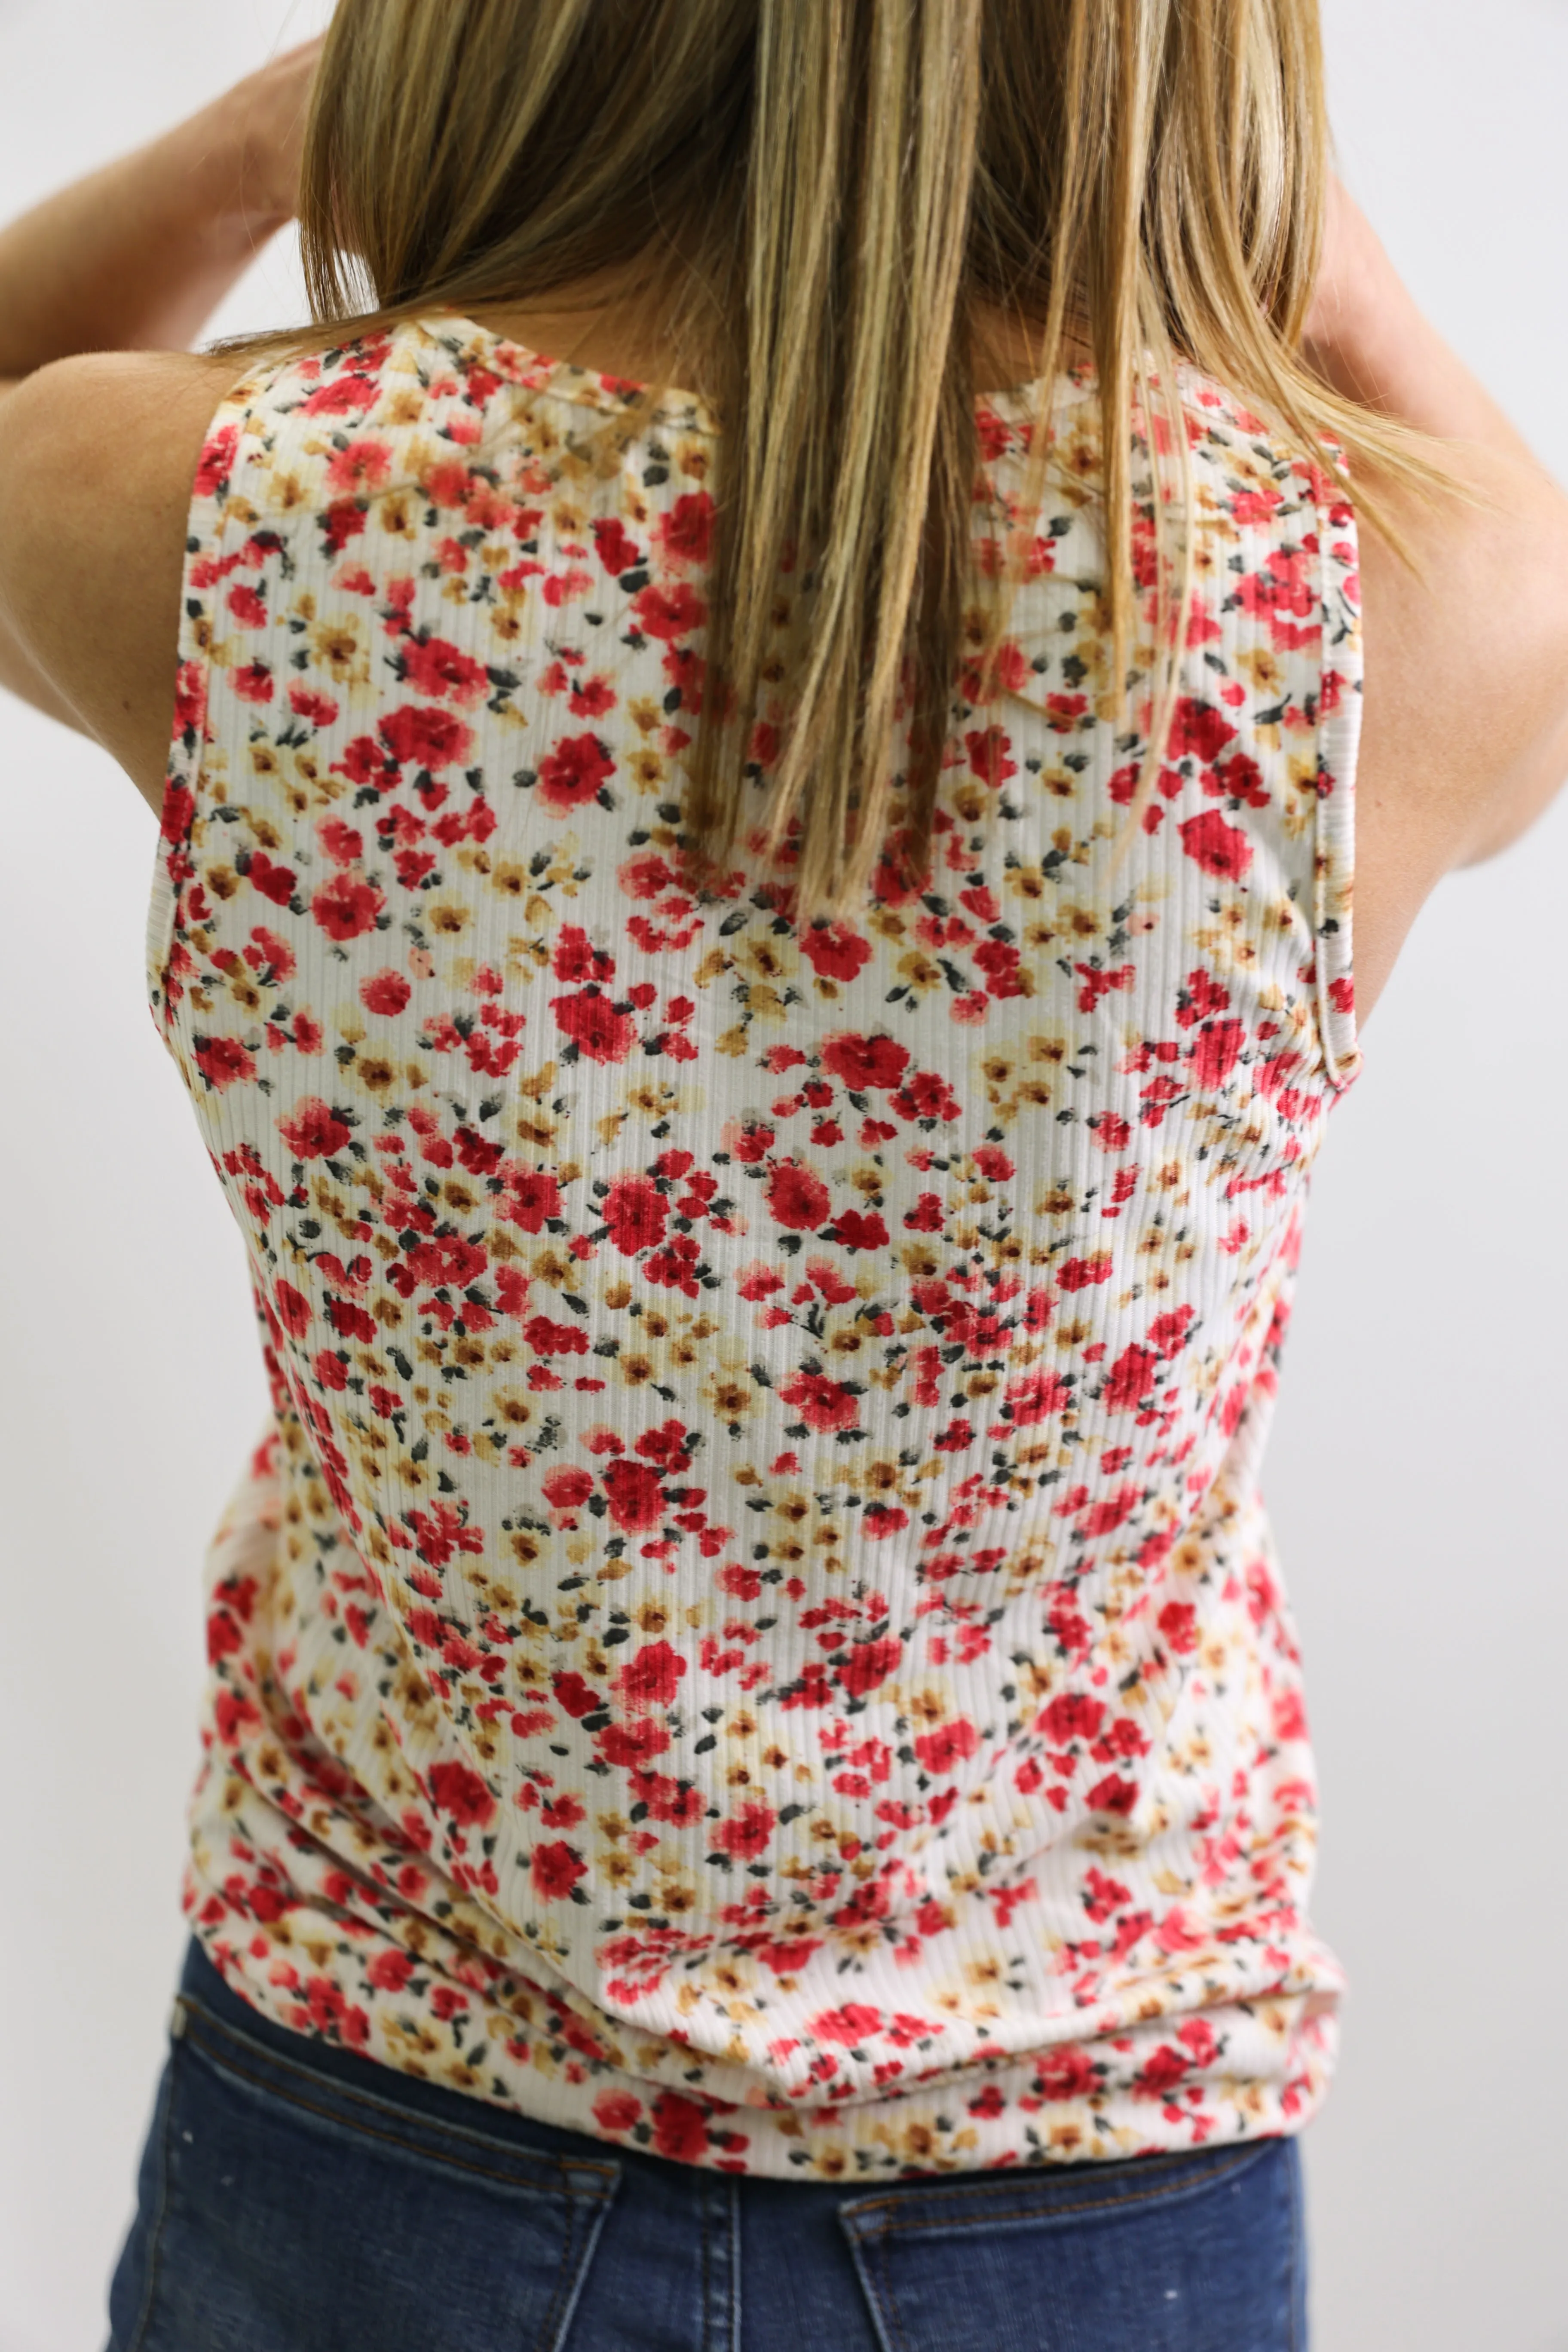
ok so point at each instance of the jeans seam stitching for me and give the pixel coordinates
(736, 2282)
(703, 2286)
(546, 2337)
(368, 2131)
(1298, 2255)
(563, 2310)
(145, 2317)
(1098, 2205)
(890, 2300)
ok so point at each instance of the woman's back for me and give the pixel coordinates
(758, 1596)
(769, 1093)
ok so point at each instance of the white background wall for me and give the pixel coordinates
(1417, 1477)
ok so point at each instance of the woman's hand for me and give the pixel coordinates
(103, 409)
(137, 256)
(256, 133)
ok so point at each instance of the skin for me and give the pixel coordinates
(103, 416)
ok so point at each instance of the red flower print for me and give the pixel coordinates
(1130, 1379)
(344, 843)
(746, 1833)
(632, 1745)
(555, 1869)
(823, 1405)
(652, 1677)
(390, 1970)
(216, 461)
(577, 958)
(852, 1231)
(384, 991)
(349, 1320)
(635, 1495)
(1177, 1621)
(532, 1198)
(666, 1443)
(617, 2111)
(680, 2127)
(458, 1790)
(617, 553)
(926, 1095)
(567, 1489)
(574, 773)
(342, 396)
(1035, 1394)
(292, 1307)
(1074, 1714)
(867, 1665)
(1215, 1050)
(1218, 848)
(1159, 2077)
(425, 737)
(1066, 2072)
(549, 1339)
(277, 883)
(359, 466)
(849, 2023)
(989, 749)
(347, 906)
(796, 1197)
(1083, 1273)
(433, 667)
(862, 1063)
(224, 1060)
(1112, 1795)
(313, 1130)
(593, 1026)
(341, 522)
(674, 1268)
(1168, 1332)
(944, 1749)
(686, 533)
(668, 612)
(574, 1695)
(634, 1208)
(835, 950)
(1199, 731)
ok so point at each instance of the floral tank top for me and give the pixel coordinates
(750, 1630)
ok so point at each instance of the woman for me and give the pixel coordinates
(750, 1694)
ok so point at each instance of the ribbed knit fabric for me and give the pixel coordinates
(749, 1629)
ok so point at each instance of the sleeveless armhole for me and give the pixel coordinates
(173, 865)
(1339, 736)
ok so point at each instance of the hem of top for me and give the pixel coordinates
(773, 2149)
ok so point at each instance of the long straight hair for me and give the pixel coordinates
(816, 204)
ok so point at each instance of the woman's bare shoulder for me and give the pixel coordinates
(98, 455)
(1465, 739)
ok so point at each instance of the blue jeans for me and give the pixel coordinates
(297, 2198)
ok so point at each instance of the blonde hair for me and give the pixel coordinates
(814, 203)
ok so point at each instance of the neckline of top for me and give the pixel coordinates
(690, 411)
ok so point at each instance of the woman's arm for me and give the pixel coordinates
(137, 257)
(103, 414)
(1465, 734)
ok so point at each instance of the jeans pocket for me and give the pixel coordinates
(299, 2214)
(1199, 2253)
